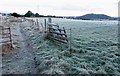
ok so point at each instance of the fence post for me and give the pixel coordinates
(49, 20)
(45, 25)
(10, 38)
(38, 24)
(70, 41)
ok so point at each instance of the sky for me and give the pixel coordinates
(61, 7)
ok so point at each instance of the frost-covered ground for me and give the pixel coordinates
(94, 48)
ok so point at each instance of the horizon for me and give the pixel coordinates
(61, 7)
(57, 15)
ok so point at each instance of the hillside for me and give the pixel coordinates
(95, 17)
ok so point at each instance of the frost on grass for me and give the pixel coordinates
(94, 49)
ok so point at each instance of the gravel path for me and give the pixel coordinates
(22, 61)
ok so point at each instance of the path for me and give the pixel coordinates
(23, 61)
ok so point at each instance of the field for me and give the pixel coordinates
(94, 49)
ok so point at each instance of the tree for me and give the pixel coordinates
(37, 15)
(16, 15)
(29, 14)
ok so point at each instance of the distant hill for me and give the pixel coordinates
(95, 17)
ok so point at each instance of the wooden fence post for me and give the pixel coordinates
(38, 24)
(45, 25)
(70, 41)
(10, 38)
(49, 20)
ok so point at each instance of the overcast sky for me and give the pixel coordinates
(61, 7)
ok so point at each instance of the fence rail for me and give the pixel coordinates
(54, 32)
(6, 38)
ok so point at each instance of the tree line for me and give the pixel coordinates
(29, 14)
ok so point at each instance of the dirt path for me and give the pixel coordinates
(26, 54)
(23, 60)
